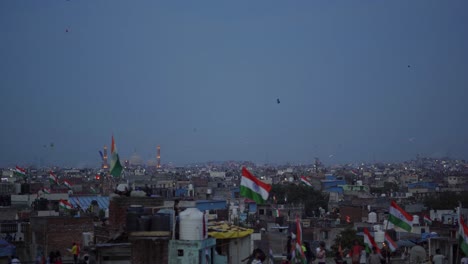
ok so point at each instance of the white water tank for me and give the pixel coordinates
(209, 191)
(87, 239)
(415, 219)
(372, 218)
(377, 228)
(192, 226)
(387, 225)
(190, 187)
(359, 182)
(379, 236)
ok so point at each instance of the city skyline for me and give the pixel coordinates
(267, 81)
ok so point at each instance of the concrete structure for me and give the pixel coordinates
(57, 233)
(196, 251)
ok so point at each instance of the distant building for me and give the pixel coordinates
(218, 174)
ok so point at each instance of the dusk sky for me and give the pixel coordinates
(357, 80)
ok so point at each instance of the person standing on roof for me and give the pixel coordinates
(75, 251)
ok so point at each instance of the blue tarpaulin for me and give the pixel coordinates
(85, 201)
(6, 249)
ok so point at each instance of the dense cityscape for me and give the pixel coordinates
(129, 217)
(232, 132)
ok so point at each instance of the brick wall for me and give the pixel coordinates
(118, 208)
(59, 233)
(150, 251)
(355, 213)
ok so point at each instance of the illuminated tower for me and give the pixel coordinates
(105, 165)
(158, 157)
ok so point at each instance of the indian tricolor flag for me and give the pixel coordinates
(390, 243)
(462, 233)
(46, 191)
(400, 218)
(305, 181)
(369, 241)
(253, 188)
(67, 183)
(115, 168)
(20, 172)
(298, 253)
(53, 178)
(65, 205)
(276, 212)
(427, 220)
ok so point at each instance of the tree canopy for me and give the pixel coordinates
(346, 239)
(299, 194)
(445, 200)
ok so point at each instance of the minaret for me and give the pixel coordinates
(158, 157)
(105, 165)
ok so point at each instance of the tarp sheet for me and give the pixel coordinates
(225, 231)
(6, 249)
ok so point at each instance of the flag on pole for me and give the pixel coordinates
(400, 218)
(67, 183)
(46, 191)
(369, 241)
(305, 181)
(116, 167)
(427, 220)
(53, 178)
(271, 257)
(462, 232)
(65, 205)
(297, 252)
(276, 212)
(19, 172)
(253, 188)
(390, 243)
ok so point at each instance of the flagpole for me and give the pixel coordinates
(458, 232)
(429, 239)
(385, 230)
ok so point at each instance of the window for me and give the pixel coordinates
(324, 235)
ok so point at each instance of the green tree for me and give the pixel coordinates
(445, 200)
(346, 239)
(299, 194)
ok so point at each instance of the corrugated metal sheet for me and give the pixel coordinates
(85, 201)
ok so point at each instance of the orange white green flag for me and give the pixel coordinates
(400, 217)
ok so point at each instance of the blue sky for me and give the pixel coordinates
(201, 79)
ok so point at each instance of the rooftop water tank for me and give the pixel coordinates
(193, 225)
(144, 223)
(161, 222)
(133, 215)
(387, 225)
(87, 239)
(415, 219)
(372, 218)
(170, 213)
(379, 236)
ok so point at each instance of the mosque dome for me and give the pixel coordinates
(135, 159)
